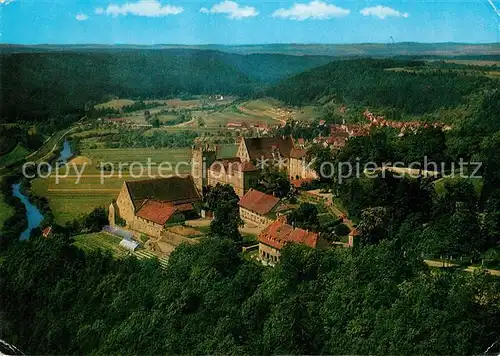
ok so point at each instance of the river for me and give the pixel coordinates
(33, 215)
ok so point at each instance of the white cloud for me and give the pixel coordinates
(317, 10)
(81, 17)
(382, 12)
(148, 8)
(232, 9)
(5, 2)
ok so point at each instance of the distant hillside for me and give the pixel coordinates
(41, 84)
(337, 50)
(368, 82)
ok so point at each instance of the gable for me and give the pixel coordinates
(258, 202)
(265, 147)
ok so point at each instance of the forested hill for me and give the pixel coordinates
(413, 87)
(44, 84)
(448, 49)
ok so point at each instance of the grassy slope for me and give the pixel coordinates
(17, 154)
(100, 241)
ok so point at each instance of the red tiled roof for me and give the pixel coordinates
(297, 183)
(297, 153)
(184, 207)
(46, 232)
(278, 234)
(258, 202)
(157, 212)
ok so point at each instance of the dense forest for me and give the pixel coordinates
(369, 82)
(209, 300)
(42, 85)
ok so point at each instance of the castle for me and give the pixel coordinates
(242, 171)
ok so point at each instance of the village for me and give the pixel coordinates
(162, 211)
(151, 217)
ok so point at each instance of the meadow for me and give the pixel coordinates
(69, 198)
(100, 241)
(16, 155)
(253, 112)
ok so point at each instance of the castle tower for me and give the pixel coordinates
(201, 159)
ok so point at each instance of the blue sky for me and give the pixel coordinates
(247, 22)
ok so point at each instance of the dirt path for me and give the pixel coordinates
(445, 264)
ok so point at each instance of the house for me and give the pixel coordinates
(236, 126)
(278, 234)
(298, 167)
(47, 231)
(260, 208)
(146, 206)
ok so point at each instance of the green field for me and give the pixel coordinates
(6, 211)
(260, 111)
(17, 154)
(107, 242)
(100, 241)
(69, 199)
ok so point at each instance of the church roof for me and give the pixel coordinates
(232, 165)
(263, 147)
(173, 189)
(278, 234)
(258, 202)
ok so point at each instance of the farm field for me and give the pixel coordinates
(107, 242)
(17, 154)
(115, 104)
(100, 241)
(257, 112)
(472, 62)
(69, 200)
(6, 211)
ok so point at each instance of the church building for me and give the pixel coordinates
(243, 170)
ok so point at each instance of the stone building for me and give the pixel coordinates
(146, 206)
(275, 236)
(242, 170)
(260, 208)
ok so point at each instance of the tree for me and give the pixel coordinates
(373, 226)
(322, 161)
(275, 183)
(223, 201)
(95, 220)
(305, 217)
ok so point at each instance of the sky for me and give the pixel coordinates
(150, 22)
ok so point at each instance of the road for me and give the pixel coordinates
(446, 264)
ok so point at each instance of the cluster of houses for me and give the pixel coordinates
(125, 122)
(403, 126)
(149, 206)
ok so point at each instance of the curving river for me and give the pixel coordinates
(33, 215)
